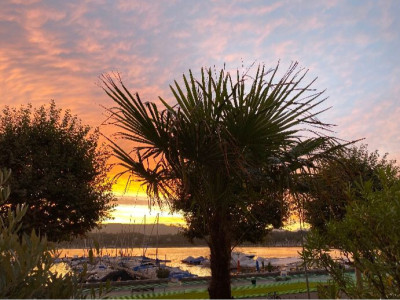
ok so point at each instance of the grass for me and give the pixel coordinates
(248, 291)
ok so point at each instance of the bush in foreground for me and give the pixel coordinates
(26, 260)
(369, 236)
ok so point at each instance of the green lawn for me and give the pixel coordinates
(247, 291)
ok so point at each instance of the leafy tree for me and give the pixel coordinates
(224, 154)
(368, 235)
(59, 171)
(327, 189)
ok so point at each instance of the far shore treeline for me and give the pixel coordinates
(131, 236)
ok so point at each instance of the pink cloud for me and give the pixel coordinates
(235, 9)
(363, 39)
(264, 32)
(284, 49)
(377, 122)
(57, 51)
(313, 23)
(152, 11)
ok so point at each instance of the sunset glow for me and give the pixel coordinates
(58, 49)
(133, 205)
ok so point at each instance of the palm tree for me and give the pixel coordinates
(225, 153)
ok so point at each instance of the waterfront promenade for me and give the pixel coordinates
(243, 286)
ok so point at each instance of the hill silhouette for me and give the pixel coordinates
(148, 229)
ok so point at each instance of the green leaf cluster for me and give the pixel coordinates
(368, 236)
(335, 183)
(26, 260)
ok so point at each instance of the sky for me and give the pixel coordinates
(57, 50)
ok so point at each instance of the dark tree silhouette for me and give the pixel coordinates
(330, 188)
(224, 154)
(58, 171)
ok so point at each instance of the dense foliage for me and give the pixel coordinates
(26, 260)
(58, 171)
(368, 236)
(328, 189)
(225, 154)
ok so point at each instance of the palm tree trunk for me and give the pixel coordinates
(220, 248)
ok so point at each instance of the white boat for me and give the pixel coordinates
(177, 274)
(98, 271)
(284, 262)
(245, 260)
(77, 261)
(242, 260)
(205, 263)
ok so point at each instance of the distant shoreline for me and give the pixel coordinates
(181, 246)
(170, 237)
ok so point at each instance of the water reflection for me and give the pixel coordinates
(177, 254)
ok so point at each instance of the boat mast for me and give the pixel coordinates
(144, 235)
(158, 218)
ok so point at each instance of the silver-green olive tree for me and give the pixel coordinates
(26, 260)
(224, 152)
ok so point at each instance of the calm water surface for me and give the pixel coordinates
(179, 253)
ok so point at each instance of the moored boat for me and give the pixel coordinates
(242, 260)
(193, 260)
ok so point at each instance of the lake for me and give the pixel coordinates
(179, 253)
